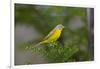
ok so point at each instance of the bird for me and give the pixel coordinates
(52, 36)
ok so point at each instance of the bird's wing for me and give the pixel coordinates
(49, 34)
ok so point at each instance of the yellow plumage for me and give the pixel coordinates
(53, 35)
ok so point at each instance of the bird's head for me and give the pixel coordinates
(60, 27)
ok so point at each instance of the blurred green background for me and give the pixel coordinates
(34, 22)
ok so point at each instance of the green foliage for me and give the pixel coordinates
(55, 52)
(59, 54)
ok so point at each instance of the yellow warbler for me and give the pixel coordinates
(53, 35)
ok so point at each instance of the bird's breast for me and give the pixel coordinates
(55, 35)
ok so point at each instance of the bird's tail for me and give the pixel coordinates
(40, 43)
